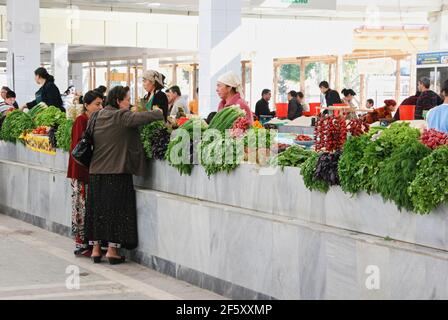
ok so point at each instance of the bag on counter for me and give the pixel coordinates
(83, 152)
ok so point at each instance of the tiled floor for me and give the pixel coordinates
(37, 264)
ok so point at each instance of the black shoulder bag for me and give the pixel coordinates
(83, 151)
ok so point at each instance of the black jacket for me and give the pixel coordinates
(295, 109)
(332, 97)
(160, 100)
(50, 95)
(427, 100)
(262, 109)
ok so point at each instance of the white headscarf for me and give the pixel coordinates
(154, 77)
(231, 79)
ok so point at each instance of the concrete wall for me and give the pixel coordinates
(251, 236)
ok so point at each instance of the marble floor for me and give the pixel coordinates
(37, 264)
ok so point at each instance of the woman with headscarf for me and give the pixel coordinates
(153, 83)
(230, 90)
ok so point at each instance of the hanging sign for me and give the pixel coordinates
(432, 58)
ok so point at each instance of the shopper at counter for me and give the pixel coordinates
(427, 100)
(370, 104)
(438, 117)
(111, 205)
(48, 92)
(230, 90)
(153, 83)
(9, 102)
(295, 110)
(262, 106)
(3, 93)
(79, 175)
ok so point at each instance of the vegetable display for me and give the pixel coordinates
(64, 135)
(434, 139)
(380, 149)
(146, 134)
(398, 171)
(430, 186)
(37, 109)
(159, 141)
(239, 127)
(294, 156)
(16, 123)
(330, 133)
(357, 127)
(225, 118)
(50, 117)
(221, 154)
(350, 176)
(308, 171)
(327, 168)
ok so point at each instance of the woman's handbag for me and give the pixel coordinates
(83, 152)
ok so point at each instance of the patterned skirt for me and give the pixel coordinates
(79, 212)
(111, 214)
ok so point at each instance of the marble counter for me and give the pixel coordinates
(250, 234)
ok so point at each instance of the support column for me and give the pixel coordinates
(398, 80)
(59, 62)
(413, 78)
(219, 47)
(23, 58)
(302, 76)
(77, 80)
(262, 75)
(174, 75)
(438, 30)
(339, 73)
(276, 76)
(362, 89)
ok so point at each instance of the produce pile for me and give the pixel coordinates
(146, 135)
(14, 125)
(63, 135)
(50, 116)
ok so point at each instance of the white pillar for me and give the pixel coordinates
(438, 30)
(23, 28)
(262, 76)
(77, 80)
(219, 47)
(59, 61)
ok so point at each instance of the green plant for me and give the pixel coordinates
(16, 123)
(64, 135)
(399, 171)
(146, 134)
(50, 117)
(308, 170)
(430, 186)
(350, 164)
(225, 118)
(221, 154)
(377, 152)
(294, 156)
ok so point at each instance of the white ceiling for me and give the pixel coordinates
(345, 8)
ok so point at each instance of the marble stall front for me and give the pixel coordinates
(253, 236)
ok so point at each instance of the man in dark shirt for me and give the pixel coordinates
(262, 106)
(427, 100)
(295, 109)
(331, 96)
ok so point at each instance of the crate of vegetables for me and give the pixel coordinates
(304, 140)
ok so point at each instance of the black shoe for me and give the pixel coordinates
(114, 261)
(96, 259)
